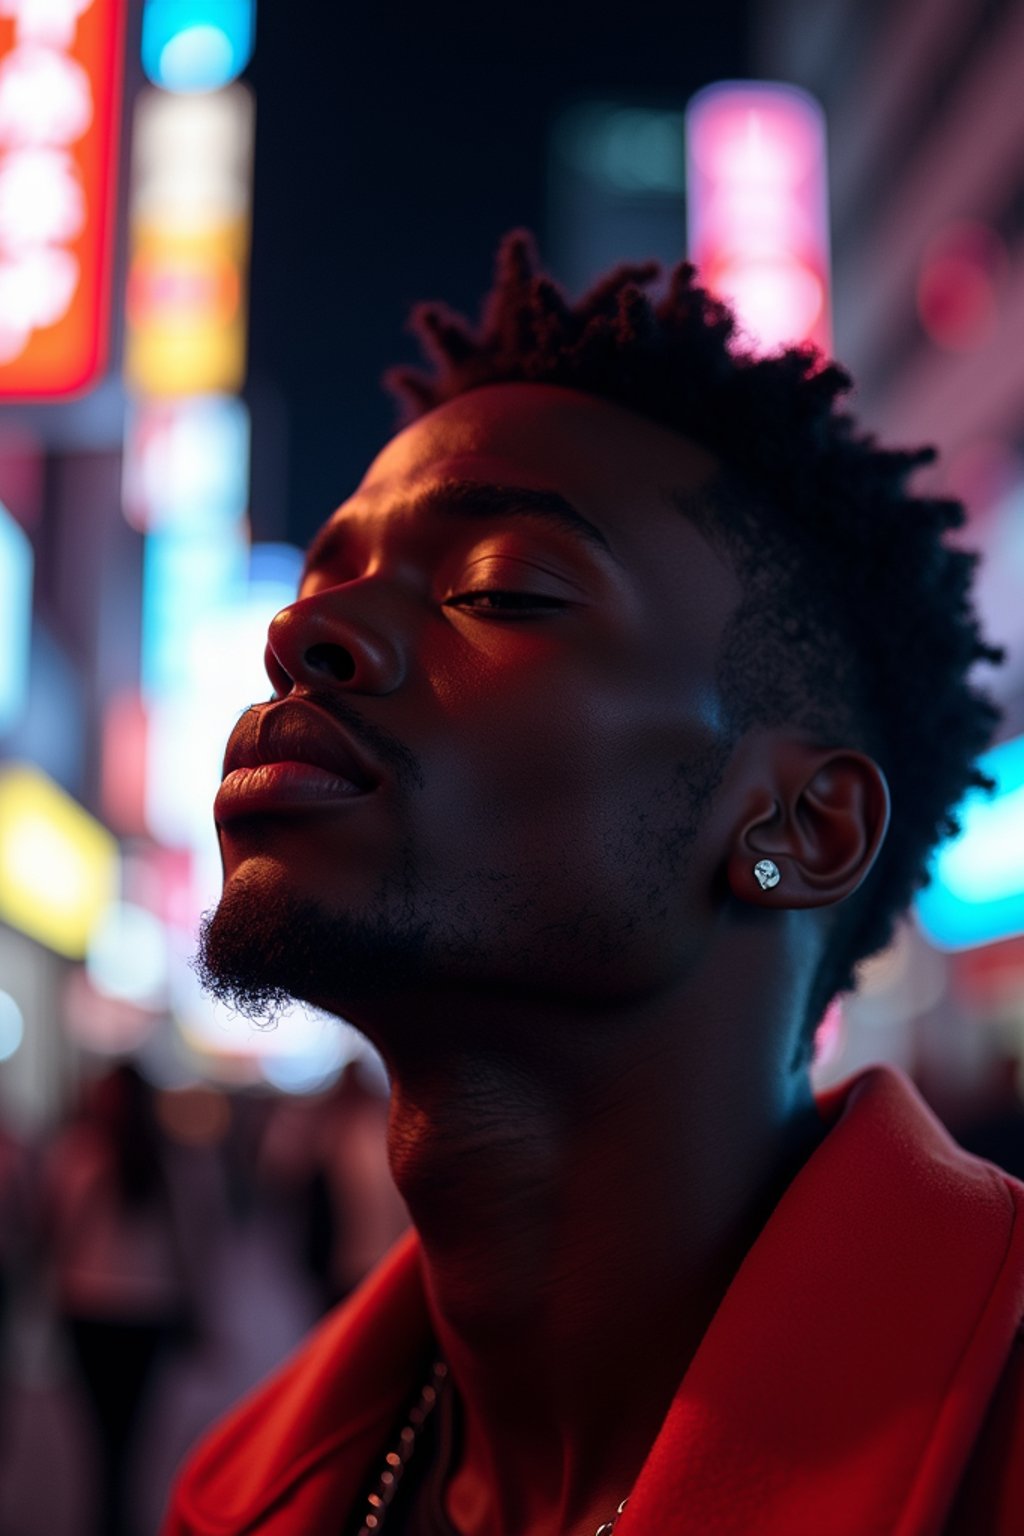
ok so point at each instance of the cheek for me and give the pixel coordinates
(556, 766)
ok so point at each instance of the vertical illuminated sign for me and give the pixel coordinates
(757, 208)
(60, 103)
(190, 221)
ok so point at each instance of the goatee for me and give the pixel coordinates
(259, 953)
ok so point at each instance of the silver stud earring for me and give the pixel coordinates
(766, 874)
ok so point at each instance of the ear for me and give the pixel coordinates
(820, 814)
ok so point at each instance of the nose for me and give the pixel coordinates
(320, 641)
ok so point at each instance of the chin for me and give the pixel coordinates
(266, 945)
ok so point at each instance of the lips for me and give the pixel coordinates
(297, 731)
(290, 757)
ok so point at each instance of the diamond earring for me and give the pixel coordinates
(766, 874)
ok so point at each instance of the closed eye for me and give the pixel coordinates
(499, 600)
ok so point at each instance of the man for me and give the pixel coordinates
(618, 713)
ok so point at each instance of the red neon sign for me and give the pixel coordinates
(60, 100)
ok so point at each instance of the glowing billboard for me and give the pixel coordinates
(60, 108)
(189, 220)
(757, 208)
(58, 865)
(977, 890)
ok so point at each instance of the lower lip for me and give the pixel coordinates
(277, 787)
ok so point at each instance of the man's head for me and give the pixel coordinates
(707, 628)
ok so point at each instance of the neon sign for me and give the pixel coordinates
(60, 100)
(757, 207)
(190, 224)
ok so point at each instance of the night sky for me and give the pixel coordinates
(393, 148)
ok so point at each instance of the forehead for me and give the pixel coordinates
(618, 466)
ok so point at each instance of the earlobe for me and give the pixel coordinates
(821, 829)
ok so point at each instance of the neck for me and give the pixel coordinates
(581, 1214)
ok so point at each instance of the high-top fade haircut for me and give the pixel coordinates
(855, 621)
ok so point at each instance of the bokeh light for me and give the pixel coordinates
(127, 955)
(962, 276)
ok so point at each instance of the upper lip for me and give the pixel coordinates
(297, 731)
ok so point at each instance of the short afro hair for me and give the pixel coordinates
(855, 622)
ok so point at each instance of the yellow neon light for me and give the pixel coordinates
(186, 330)
(59, 867)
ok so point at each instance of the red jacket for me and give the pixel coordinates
(859, 1378)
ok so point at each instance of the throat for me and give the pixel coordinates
(575, 1246)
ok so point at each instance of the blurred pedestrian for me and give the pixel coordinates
(112, 1233)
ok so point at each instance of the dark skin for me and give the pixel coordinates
(593, 1109)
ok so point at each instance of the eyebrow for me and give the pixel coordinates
(483, 501)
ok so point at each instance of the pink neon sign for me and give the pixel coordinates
(757, 207)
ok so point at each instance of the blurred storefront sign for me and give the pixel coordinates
(58, 864)
(977, 891)
(190, 222)
(757, 208)
(60, 111)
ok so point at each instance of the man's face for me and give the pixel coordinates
(540, 705)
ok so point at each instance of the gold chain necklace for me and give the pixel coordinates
(396, 1460)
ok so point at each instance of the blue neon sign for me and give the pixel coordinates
(196, 45)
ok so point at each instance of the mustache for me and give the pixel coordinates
(380, 744)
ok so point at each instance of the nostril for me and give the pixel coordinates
(333, 660)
